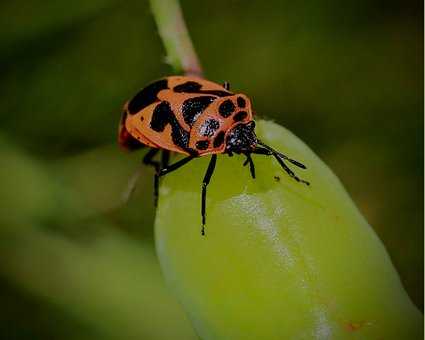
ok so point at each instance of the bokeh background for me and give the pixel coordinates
(346, 77)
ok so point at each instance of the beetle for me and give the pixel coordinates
(195, 117)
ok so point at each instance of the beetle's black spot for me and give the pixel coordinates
(209, 127)
(219, 139)
(226, 108)
(194, 87)
(202, 144)
(193, 107)
(146, 96)
(241, 115)
(142, 118)
(277, 178)
(241, 102)
(161, 117)
(179, 135)
(189, 86)
(217, 93)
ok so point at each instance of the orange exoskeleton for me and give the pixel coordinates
(195, 117)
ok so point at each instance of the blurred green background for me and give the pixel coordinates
(347, 78)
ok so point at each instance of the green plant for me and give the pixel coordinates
(280, 260)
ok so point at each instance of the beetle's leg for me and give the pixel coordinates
(148, 160)
(131, 186)
(174, 166)
(132, 182)
(205, 182)
(162, 168)
(251, 164)
(165, 158)
(226, 85)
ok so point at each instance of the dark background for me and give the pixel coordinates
(346, 77)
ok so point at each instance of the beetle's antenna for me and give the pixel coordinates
(280, 157)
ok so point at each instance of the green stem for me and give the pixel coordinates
(172, 28)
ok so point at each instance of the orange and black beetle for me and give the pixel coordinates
(195, 117)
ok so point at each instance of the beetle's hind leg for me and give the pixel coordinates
(148, 160)
(131, 186)
(165, 158)
(175, 166)
(132, 182)
(251, 164)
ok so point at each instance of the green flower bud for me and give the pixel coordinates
(280, 259)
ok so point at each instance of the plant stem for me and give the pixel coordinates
(172, 29)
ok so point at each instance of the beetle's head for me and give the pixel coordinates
(241, 138)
